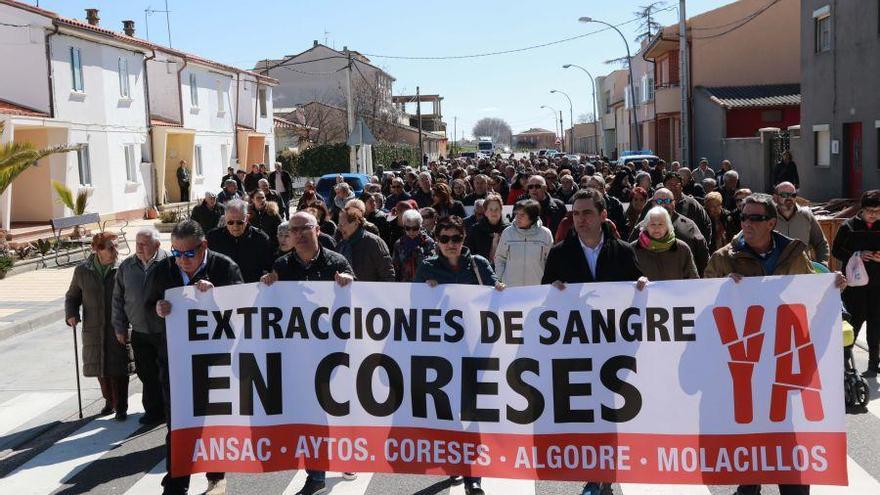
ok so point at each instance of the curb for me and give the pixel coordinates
(34, 322)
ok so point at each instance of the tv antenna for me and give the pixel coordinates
(150, 11)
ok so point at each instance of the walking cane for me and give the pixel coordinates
(76, 364)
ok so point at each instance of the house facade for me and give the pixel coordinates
(840, 121)
(136, 110)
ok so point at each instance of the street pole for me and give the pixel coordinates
(685, 83)
(570, 120)
(454, 132)
(595, 110)
(632, 87)
(561, 131)
(419, 118)
(349, 103)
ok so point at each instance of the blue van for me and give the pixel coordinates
(325, 184)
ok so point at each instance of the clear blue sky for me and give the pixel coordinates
(513, 86)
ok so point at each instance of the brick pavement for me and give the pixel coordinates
(35, 298)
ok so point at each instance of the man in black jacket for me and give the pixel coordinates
(231, 175)
(208, 212)
(281, 181)
(591, 254)
(552, 209)
(247, 245)
(252, 180)
(612, 205)
(310, 262)
(190, 263)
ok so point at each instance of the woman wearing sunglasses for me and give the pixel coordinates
(103, 357)
(454, 264)
(412, 248)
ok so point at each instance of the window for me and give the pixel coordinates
(224, 156)
(221, 98)
(193, 90)
(262, 95)
(822, 145)
(198, 160)
(124, 88)
(76, 69)
(647, 88)
(822, 27)
(130, 164)
(608, 102)
(83, 165)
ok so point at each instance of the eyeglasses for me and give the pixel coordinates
(189, 253)
(664, 201)
(234, 222)
(755, 218)
(454, 239)
(300, 230)
(786, 195)
(535, 186)
(412, 228)
(396, 187)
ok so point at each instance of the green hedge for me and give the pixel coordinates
(316, 161)
(385, 153)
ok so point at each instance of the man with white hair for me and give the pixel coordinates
(129, 319)
(422, 192)
(248, 246)
(799, 222)
(729, 186)
(282, 183)
(685, 228)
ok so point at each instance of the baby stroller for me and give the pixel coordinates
(855, 387)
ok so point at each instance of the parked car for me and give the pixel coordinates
(575, 158)
(327, 182)
(468, 154)
(652, 159)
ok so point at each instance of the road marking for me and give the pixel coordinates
(642, 489)
(860, 483)
(339, 486)
(296, 483)
(500, 485)
(50, 469)
(22, 408)
(151, 482)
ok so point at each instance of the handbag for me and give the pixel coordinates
(856, 275)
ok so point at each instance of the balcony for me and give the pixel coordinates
(668, 98)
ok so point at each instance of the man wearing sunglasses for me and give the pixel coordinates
(552, 209)
(798, 222)
(248, 246)
(759, 250)
(397, 194)
(190, 263)
(309, 261)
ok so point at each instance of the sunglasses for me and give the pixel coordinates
(786, 195)
(234, 222)
(663, 201)
(535, 186)
(755, 218)
(189, 253)
(446, 239)
(415, 228)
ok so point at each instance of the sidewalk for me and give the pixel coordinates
(36, 298)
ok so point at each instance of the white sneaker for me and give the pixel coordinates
(349, 476)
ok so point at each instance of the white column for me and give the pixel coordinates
(6, 197)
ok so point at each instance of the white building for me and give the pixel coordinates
(138, 109)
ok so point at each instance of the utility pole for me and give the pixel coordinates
(685, 83)
(349, 103)
(561, 132)
(454, 132)
(419, 118)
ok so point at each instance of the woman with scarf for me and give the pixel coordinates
(366, 252)
(483, 237)
(659, 254)
(104, 355)
(412, 248)
(637, 202)
(459, 189)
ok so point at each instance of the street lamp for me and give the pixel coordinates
(595, 110)
(632, 88)
(554, 117)
(570, 119)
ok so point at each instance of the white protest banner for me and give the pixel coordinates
(702, 381)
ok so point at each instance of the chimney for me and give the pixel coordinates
(92, 16)
(128, 28)
(315, 42)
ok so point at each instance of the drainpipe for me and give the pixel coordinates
(235, 120)
(653, 100)
(150, 127)
(50, 75)
(180, 88)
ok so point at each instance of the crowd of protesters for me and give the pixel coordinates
(570, 222)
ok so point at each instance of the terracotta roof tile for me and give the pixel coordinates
(162, 122)
(9, 108)
(770, 95)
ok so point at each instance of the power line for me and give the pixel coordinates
(719, 26)
(746, 20)
(505, 52)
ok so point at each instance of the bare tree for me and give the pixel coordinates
(585, 118)
(494, 127)
(648, 24)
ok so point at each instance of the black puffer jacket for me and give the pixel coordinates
(854, 235)
(252, 251)
(480, 237)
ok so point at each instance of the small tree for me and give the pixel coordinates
(15, 158)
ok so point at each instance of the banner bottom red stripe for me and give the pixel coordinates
(791, 458)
